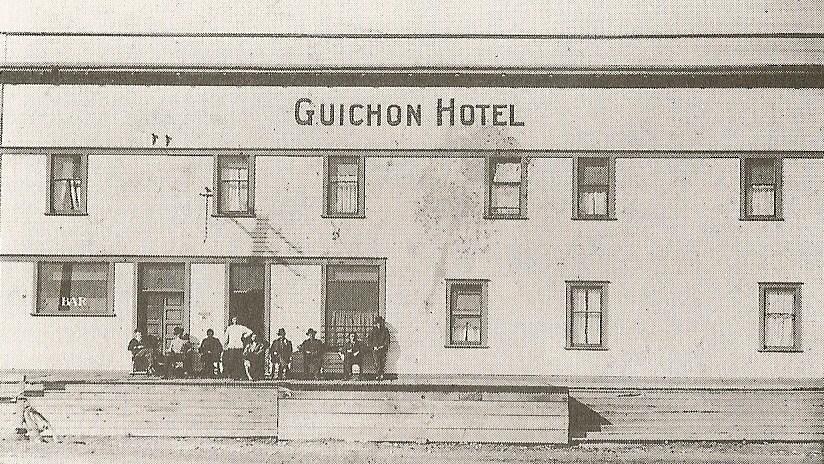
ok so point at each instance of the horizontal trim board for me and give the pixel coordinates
(257, 259)
(811, 76)
(469, 420)
(370, 406)
(767, 35)
(407, 153)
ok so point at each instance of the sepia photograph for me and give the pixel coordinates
(293, 231)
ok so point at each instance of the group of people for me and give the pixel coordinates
(243, 355)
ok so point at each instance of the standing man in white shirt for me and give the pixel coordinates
(233, 344)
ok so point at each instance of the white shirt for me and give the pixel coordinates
(177, 345)
(233, 339)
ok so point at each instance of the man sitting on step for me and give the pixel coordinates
(254, 357)
(178, 360)
(210, 349)
(312, 350)
(142, 354)
(352, 355)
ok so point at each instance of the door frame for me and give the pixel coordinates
(187, 289)
(227, 290)
(380, 264)
(266, 261)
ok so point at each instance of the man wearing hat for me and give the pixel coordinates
(281, 354)
(379, 342)
(312, 350)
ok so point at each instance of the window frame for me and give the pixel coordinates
(361, 163)
(763, 288)
(84, 179)
(36, 311)
(484, 285)
(492, 161)
(576, 188)
(744, 198)
(571, 286)
(217, 207)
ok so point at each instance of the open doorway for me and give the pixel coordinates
(246, 296)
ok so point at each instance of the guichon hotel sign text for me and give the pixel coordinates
(446, 112)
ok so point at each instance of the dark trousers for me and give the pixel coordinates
(380, 362)
(143, 360)
(311, 366)
(283, 366)
(172, 359)
(348, 361)
(209, 365)
(256, 368)
(233, 364)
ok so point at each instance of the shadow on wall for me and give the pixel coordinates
(262, 234)
(583, 419)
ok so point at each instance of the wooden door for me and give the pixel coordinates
(162, 312)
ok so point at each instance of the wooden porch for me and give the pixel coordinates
(400, 411)
(510, 409)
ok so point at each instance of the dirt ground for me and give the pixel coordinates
(202, 450)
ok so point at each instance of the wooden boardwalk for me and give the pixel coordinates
(429, 408)
(356, 411)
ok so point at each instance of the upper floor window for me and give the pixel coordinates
(761, 188)
(586, 304)
(71, 288)
(68, 184)
(466, 306)
(344, 185)
(594, 188)
(780, 316)
(234, 185)
(506, 184)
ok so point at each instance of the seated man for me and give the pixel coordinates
(351, 353)
(178, 359)
(254, 357)
(142, 354)
(312, 350)
(210, 349)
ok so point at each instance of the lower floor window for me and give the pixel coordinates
(780, 316)
(586, 302)
(467, 312)
(352, 301)
(73, 288)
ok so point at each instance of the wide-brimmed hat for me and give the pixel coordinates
(311, 331)
(281, 331)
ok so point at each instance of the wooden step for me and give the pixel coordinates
(640, 428)
(332, 406)
(302, 420)
(705, 435)
(169, 432)
(427, 434)
(427, 395)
